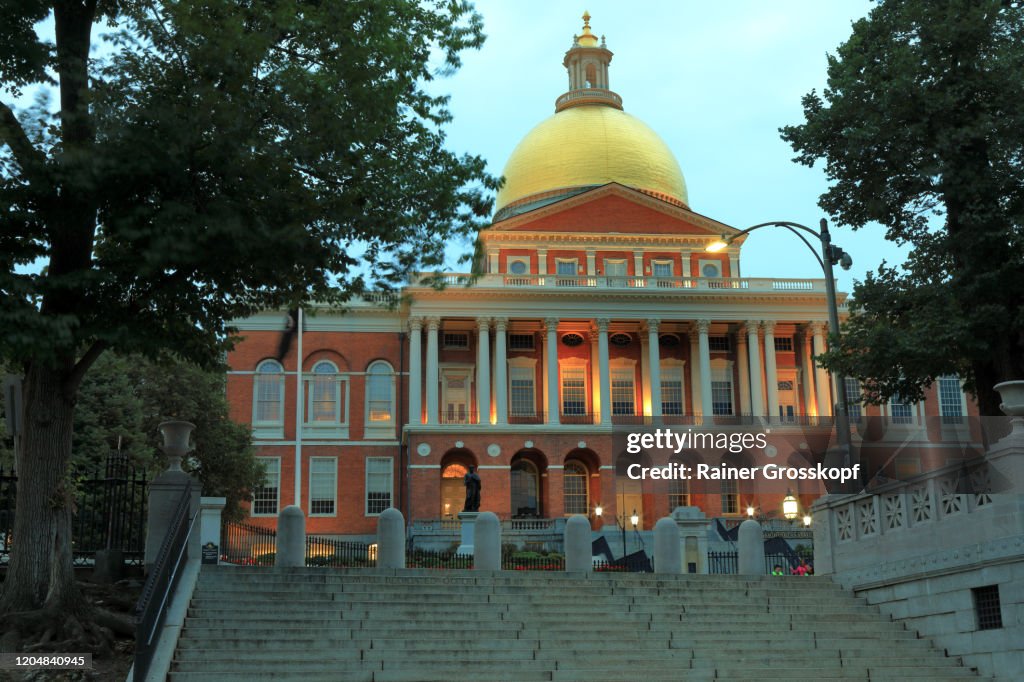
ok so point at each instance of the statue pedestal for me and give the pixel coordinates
(468, 520)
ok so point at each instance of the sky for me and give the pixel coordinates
(715, 80)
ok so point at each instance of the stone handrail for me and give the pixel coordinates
(625, 282)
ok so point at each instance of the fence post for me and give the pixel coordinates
(577, 544)
(668, 551)
(210, 509)
(291, 537)
(390, 539)
(751, 548)
(487, 542)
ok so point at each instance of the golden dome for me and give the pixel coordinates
(588, 146)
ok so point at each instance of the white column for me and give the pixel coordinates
(433, 380)
(705, 369)
(645, 377)
(820, 375)
(771, 370)
(638, 264)
(605, 377)
(591, 263)
(415, 370)
(744, 371)
(551, 352)
(807, 373)
(483, 370)
(542, 261)
(695, 379)
(500, 370)
(754, 352)
(492, 261)
(654, 360)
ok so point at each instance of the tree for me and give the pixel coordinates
(921, 130)
(212, 159)
(122, 401)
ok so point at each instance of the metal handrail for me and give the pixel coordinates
(151, 609)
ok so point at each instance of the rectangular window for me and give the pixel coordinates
(784, 344)
(566, 266)
(265, 497)
(268, 399)
(661, 268)
(718, 343)
(853, 399)
(987, 608)
(672, 391)
(323, 485)
(900, 411)
(574, 390)
(456, 340)
(678, 493)
(950, 400)
(324, 392)
(520, 341)
(378, 484)
(623, 392)
(730, 497)
(520, 390)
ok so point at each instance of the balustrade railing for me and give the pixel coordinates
(625, 282)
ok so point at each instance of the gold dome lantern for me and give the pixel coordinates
(590, 141)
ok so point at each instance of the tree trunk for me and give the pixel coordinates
(40, 572)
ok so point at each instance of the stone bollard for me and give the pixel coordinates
(487, 542)
(751, 548)
(668, 551)
(390, 539)
(577, 544)
(291, 537)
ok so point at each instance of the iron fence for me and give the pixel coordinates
(109, 511)
(248, 545)
(727, 563)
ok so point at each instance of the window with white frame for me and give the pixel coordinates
(730, 497)
(784, 344)
(900, 410)
(379, 484)
(718, 344)
(661, 268)
(521, 393)
(455, 392)
(566, 266)
(721, 389)
(456, 340)
(853, 399)
(951, 400)
(574, 488)
(323, 486)
(672, 394)
(324, 394)
(266, 498)
(518, 265)
(268, 399)
(678, 493)
(380, 394)
(623, 391)
(520, 342)
(574, 390)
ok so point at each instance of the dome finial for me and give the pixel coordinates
(587, 39)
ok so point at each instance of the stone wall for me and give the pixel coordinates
(920, 548)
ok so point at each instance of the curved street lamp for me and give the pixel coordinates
(830, 255)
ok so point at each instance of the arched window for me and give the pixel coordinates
(574, 488)
(525, 489)
(591, 76)
(380, 400)
(324, 394)
(452, 489)
(268, 400)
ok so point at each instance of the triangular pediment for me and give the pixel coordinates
(613, 209)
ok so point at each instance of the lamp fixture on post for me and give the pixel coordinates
(790, 506)
(830, 255)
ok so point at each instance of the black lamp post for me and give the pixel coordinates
(830, 255)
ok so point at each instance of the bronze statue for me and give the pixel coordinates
(472, 483)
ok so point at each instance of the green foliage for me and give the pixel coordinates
(921, 130)
(122, 401)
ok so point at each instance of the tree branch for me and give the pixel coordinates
(74, 378)
(31, 160)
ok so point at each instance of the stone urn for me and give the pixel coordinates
(176, 435)
(1012, 393)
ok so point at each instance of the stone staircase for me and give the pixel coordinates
(450, 626)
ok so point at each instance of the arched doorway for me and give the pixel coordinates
(526, 479)
(454, 465)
